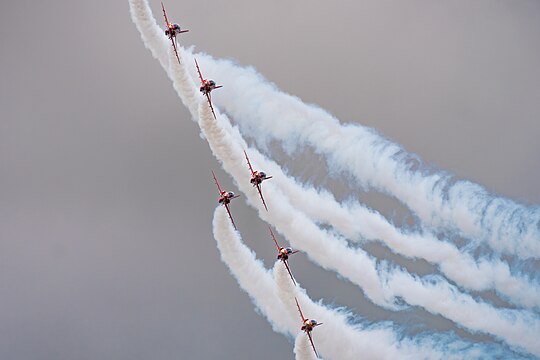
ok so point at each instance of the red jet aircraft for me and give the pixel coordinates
(206, 87)
(257, 177)
(225, 198)
(171, 31)
(308, 325)
(283, 254)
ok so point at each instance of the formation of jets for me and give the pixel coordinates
(225, 198)
(257, 177)
(207, 85)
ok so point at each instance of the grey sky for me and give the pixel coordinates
(106, 196)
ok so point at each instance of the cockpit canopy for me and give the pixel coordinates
(288, 250)
(212, 82)
(262, 174)
(231, 194)
(313, 322)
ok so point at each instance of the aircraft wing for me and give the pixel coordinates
(173, 40)
(273, 237)
(210, 103)
(165, 14)
(249, 164)
(230, 216)
(199, 71)
(261, 195)
(289, 270)
(311, 341)
(217, 184)
(299, 310)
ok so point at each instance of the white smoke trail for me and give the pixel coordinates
(355, 264)
(266, 113)
(250, 273)
(183, 83)
(257, 200)
(369, 344)
(302, 348)
(261, 287)
(356, 220)
(338, 339)
(517, 328)
(381, 287)
(336, 257)
(151, 34)
(161, 48)
(433, 346)
(359, 221)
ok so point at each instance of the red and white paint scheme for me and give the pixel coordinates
(171, 31)
(257, 177)
(207, 86)
(225, 198)
(283, 254)
(307, 326)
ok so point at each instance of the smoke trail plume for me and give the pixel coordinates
(431, 346)
(338, 339)
(354, 264)
(437, 198)
(250, 273)
(161, 48)
(261, 287)
(316, 247)
(368, 344)
(459, 267)
(381, 287)
(302, 348)
(358, 223)
(151, 34)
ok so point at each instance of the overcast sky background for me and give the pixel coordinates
(106, 195)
